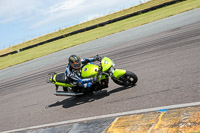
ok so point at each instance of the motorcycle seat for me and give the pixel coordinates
(61, 78)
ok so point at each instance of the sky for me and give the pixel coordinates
(22, 20)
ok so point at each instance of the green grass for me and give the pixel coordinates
(83, 25)
(98, 33)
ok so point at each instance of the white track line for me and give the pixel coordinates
(107, 116)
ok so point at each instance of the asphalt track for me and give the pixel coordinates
(166, 62)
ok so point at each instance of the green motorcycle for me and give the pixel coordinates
(102, 71)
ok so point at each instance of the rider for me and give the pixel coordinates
(73, 71)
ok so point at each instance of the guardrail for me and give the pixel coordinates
(94, 26)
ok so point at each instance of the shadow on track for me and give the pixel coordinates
(75, 101)
(119, 89)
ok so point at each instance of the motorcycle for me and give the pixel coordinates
(103, 70)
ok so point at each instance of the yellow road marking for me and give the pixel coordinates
(159, 120)
(172, 121)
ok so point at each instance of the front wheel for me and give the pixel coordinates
(129, 79)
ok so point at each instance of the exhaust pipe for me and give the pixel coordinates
(63, 93)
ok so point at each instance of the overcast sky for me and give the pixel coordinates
(22, 20)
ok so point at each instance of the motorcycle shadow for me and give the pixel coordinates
(75, 101)
(119, 89)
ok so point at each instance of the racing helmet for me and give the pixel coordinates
(75, 62)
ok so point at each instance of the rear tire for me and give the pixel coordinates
(65, 89)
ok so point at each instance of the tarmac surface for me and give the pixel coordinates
(166, 62)
(167, 119)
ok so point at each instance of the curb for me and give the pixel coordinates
(183, 117)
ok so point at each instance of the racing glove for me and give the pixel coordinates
(98, 58)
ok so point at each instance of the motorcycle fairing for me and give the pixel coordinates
(89, 70)
(106, 63)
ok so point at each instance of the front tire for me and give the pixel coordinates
(129, 79)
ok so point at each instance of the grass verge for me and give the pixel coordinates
(83, 25)
(98, 33)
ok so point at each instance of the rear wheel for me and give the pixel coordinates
(65, 89)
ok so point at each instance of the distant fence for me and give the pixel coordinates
(94, 26)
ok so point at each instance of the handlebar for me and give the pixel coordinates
(99, 58)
